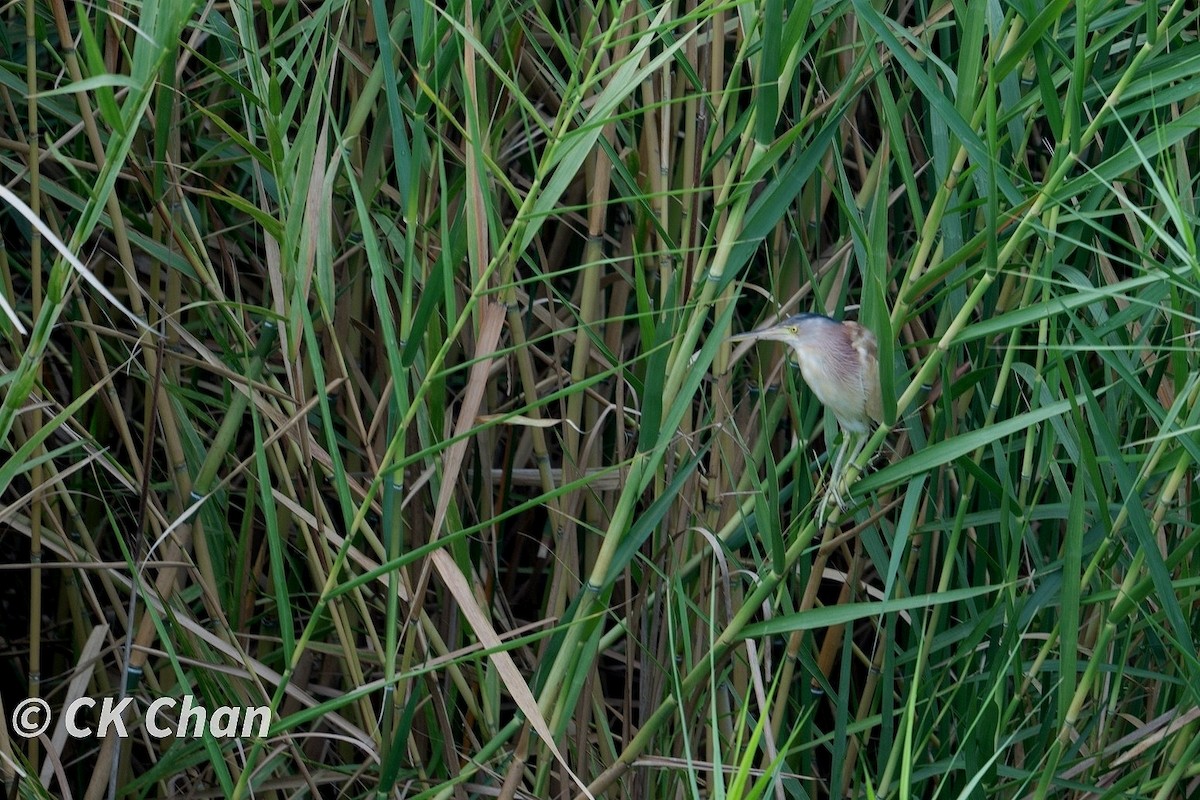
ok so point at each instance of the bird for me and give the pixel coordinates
(839, 361)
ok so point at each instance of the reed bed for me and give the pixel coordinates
(369, 362)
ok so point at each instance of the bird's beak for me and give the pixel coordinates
(762, 334)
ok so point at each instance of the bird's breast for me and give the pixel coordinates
(838, 386)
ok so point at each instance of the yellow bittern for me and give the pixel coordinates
(840, 363)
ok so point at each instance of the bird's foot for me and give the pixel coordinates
(831, 493)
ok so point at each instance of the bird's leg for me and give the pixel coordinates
(846, 455)
(831, 484)
(860, 441)
(835, 474)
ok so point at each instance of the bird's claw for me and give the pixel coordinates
(831, 493)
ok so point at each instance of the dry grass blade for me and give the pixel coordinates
(81, 677)
(491, 322)
(514, 681)
(27, 213)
